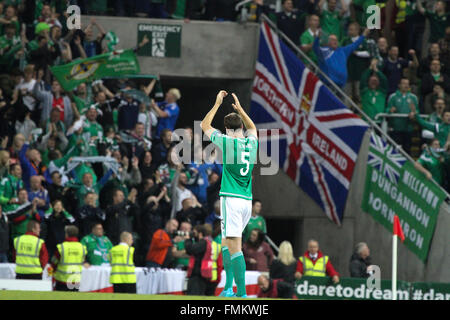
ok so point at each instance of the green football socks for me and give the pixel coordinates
(238, 266)
(228, 268)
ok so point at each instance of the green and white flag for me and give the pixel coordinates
(394, 186)
(104, 65)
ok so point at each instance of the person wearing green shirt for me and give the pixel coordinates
(438, 19)
(10, 186)
(432, 160)
(98, 246)
(256, 221)
(92, 130)
(181, 258)
(373, 89)
(402, 102)
(441, 130)
(307, 37)
(331, 19)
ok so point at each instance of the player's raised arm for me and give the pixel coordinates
(206, 123)
(248, 123)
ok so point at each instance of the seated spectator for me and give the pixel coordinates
(333, 60)
(98, 246)
(284, 266)
(256, 220)
(393, 67)
(314, 263)
(308, 36)
(257, 252)
(360, 262)
(434, 76)
(39, 195)
(274, 288)
(402, 101)
(430, 99)
(89, 214)
(120, 216)
(55, 221)
(373, 89)
(160, 252)
(167, 111)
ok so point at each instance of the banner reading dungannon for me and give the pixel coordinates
(109, 64)
(358, 289)
(394, 186)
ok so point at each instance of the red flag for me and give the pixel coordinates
(398, 228)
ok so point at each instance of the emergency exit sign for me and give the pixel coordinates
(165, 40)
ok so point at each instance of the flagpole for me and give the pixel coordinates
(394, 267)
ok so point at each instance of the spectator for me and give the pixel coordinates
(119, 216)
(333, 60)
(98, 246)
(20, 213)
(437, 115)
(433, 160)
(92, 46)
(258, 254)
(437, 18)
(92, 130)
(402, 102)
(160, 252)
(68, 260)
(89, 214)
(290, 21)
(192, 211)
(182, 192)
(182, 258)
(214, 215)
(4, 237)
(444, 46)
(10, 186)
(393, 67)
(360, 262)
(314, 263)
(123, 276)
(89, 186)
(284, 266)
(431, 99)
(274, 288)
(26, 90)
(205, 262)
(146, 165)
(373, 89)
(307, 37)
(434, 76)
(56, 219)
(167, 111)
(433, 54)
(256, 220)
(383, 49)
(160, 150)
(4, 164)
(138, 142)
(30, 253)
(128, 111)
(39, 195)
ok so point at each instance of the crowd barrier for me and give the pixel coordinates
(360, 289)
(148, 281)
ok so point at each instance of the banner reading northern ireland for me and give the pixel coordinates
(394, 186)
(109, 64)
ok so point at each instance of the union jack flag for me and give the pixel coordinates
(385, 158)
(320, 137)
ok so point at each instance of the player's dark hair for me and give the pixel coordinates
(233, 121)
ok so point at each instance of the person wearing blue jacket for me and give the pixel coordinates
(333, 59)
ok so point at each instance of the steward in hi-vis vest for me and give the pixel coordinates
(30, 253)
(68, 261)
(314, 264)
(123, 276)
(205, 262)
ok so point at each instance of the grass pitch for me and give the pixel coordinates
(55, 295)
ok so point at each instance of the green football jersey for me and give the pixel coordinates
(239, 157)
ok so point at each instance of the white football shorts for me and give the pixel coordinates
(235, 214)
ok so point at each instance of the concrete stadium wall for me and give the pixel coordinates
(283, 199)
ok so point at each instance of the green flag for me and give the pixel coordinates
(394, 186)
(104, 65)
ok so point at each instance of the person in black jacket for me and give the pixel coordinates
(291, 21)
(285, 265)
(197, 285)
(120, 215)
(360, 262)
(274, 288)
(4, 237)
(89, 214)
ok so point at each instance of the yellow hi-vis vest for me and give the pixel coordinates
(401, 14)
(122, 265)
(27, 249)
(215, 252)
(319, 269)
(70, 265)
